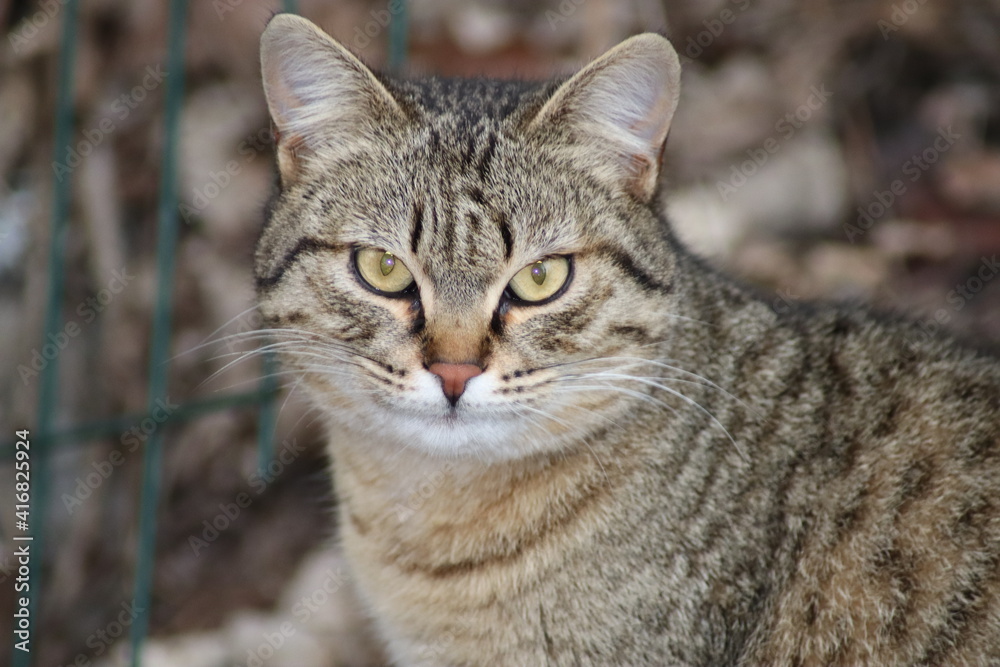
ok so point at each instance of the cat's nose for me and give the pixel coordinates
(454, 378)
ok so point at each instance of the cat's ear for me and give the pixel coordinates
(620, 107)
(319, 95)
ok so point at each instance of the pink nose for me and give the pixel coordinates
(454, 378)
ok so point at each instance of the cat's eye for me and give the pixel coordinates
(541, 281)
(382, 271)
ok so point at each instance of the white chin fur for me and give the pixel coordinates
(482, 425)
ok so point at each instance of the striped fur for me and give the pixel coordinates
(655, 468)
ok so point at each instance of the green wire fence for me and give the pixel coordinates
(46, 437)
(53, 320)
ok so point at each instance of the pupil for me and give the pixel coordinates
(538, 273)
(387, 264)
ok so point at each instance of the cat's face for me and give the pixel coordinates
(464, 267)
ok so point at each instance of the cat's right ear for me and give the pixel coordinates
(618, 110)
(321, 97)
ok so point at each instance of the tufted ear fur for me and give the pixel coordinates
(319, 95)
(620, 107)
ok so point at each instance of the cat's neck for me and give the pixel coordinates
(427, 512)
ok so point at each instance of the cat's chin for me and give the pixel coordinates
(451, 433)
(463, 434)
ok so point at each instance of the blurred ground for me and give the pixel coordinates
(821, 149)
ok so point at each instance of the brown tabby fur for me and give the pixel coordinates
(655, 468)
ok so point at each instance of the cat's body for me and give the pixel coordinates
(648, 465)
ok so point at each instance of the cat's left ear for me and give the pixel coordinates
(620, 107)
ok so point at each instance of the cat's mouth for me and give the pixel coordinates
(456, 416)
(452, 430)
(490, 421)
(453, 416)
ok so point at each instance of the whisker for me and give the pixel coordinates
(686, 399)
(288, 397)
(631, 361)
(208, 338)
(593, 453)
(254, 380)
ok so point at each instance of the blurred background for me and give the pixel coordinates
(822, 149)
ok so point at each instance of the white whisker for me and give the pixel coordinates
(686, 399)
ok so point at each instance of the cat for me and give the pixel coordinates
(559, 438)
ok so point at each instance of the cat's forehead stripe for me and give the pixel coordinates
(468, 101)
(417, 226)
(505, 234)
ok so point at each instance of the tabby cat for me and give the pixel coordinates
(558, 438)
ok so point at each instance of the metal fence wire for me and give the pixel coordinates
(46, 436)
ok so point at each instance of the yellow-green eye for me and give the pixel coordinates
(541, 280)
(382, 270)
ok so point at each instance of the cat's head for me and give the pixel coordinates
(465, 266)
